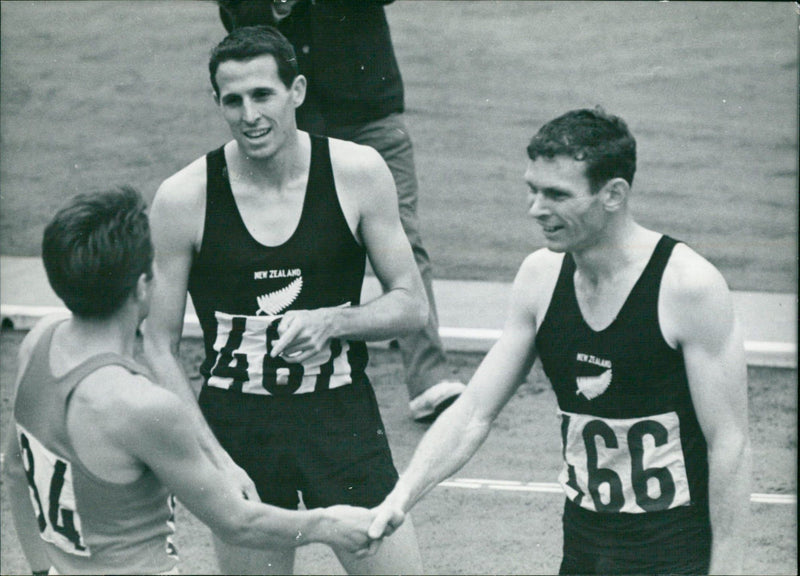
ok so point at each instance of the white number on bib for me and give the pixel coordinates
(623, 465)
(52, 495)
(244, 363)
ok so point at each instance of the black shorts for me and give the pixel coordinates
(330, 445)
(676, 541)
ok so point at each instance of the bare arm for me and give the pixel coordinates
(162, 433)
(175, 217)
(458, 433)
(368, 197)
(176, 223)
(699, 305)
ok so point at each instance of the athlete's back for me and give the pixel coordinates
(89, 524)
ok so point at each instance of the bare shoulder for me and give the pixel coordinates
(122, 402)
(690, 277)
(358, 168)
(364, 184)
(536, 280)
(347, 156)
(186, 189)
(695, 303)
(178, 211)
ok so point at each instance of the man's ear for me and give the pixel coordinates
(615, 194)
(143, 287)
(298, 90)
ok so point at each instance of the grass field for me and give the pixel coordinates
(486, 531)
(95, 93)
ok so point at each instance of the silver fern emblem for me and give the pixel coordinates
(592, 386)
(276, 302)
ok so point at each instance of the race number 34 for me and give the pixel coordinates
(52, 495)
(624, 465)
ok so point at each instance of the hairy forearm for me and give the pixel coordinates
(729, 502)
(445, 448)
(395, 313)
(260, 526)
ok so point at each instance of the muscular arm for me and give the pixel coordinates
(160, 431)
(699, 313)
(368, 198)
(176, 223)
(458, 433)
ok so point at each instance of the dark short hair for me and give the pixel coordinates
(601, 140)
(250, 42)
(95, 249)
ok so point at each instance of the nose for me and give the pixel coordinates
(536, 205)
(250, 113)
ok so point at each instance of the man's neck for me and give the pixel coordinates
(89, 337)
(271, 173)
(614, 252)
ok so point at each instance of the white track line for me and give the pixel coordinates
(553, 488)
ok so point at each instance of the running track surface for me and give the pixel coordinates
(471, 314)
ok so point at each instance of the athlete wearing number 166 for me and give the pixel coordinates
(636, 333)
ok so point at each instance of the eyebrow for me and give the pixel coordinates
(548, 189)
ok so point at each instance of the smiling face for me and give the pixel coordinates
(561, 202)
(258, 107)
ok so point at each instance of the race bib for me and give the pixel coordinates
(243, 345)
(52, 495)
(632, 465)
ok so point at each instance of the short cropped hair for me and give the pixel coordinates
(250, 42)
(95, 249)
(601, 140)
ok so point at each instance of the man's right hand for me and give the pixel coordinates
(345, 527)
(388, 518)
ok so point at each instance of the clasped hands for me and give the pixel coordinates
(361, 531)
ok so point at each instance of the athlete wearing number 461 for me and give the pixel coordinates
(637, 335)
(270, 233)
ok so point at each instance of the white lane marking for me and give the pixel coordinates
(553, 488)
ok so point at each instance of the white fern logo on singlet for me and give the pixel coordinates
(593, 386)
(276, 302)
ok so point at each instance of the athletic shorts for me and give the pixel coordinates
(329, 445)
(676, 541)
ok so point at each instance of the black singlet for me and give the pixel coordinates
(240, 287)
(631, 441)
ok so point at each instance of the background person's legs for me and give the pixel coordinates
(429, 378)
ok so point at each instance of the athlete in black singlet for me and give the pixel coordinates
(270, 235)
(637, 334)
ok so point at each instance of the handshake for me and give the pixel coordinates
(359, 531)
